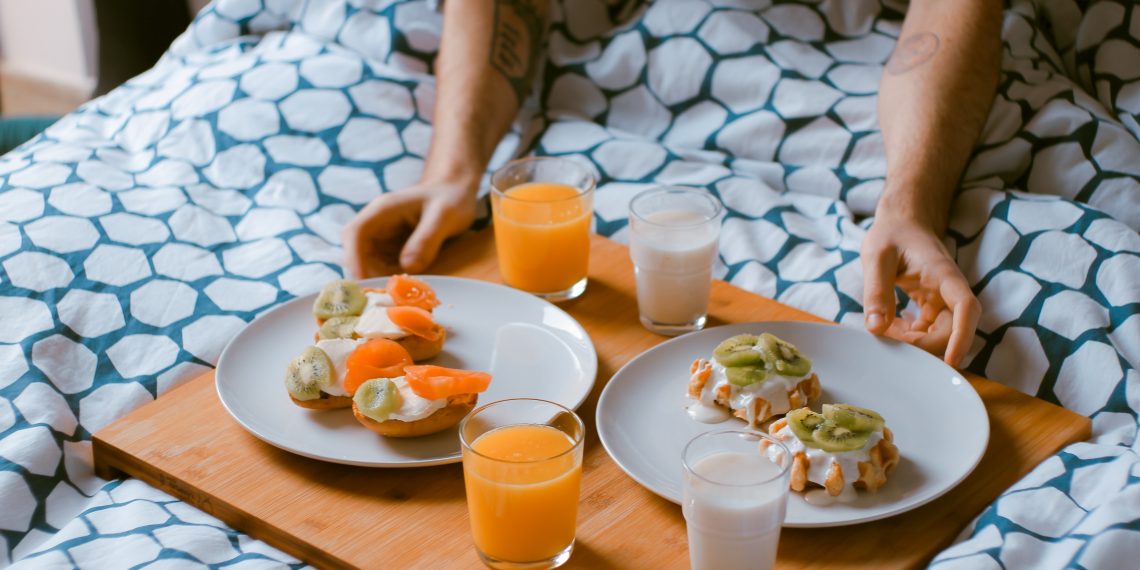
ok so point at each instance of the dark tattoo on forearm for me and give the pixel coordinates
(912, 51)
(516, 41)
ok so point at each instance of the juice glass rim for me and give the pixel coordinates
(578, 441)
(581, 192)
(718, 207)
(751, 433)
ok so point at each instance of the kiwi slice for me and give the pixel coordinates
(308, 374)
(830, 437)
(783, 357)
(769, 348)
(853, 417)
(738, 351)
(803, 422)
(377, 398)
(341, 298)
(338, 327)
(745, 375)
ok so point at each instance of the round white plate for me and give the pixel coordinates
(531, 348)
(938, 420)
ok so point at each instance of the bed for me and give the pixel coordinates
(142, 231)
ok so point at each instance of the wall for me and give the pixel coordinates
(47, 55)
(196, 5)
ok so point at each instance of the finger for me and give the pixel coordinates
(966, 309)
(368, 236)
(932, 340)
(929, 309)
(349, 236)
(900, 329)
(879, 271)
(936, 336)
(424, 243)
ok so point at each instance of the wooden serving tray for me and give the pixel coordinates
(340, 516)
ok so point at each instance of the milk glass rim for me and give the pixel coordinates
(718, 207)
(579, 440)
(592, 181)
(761, 435)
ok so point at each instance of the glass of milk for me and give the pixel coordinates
(734, 499)
(672, 241)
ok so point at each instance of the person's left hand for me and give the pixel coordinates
(404, 230)
(904, 253)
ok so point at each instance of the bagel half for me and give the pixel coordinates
(422, 349)
(458, 406)
(418, 348)
(325, 402)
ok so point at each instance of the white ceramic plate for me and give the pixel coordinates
(531, 348)
(938, 420)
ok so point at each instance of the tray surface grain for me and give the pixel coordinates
(341, 516)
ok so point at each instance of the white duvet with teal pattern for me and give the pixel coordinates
(144, 230)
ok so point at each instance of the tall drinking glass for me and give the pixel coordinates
(734, 498)
(522, 464)
(542, 208)
(672, 241)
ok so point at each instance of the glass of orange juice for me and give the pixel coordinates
(522, 465)
(542, 208)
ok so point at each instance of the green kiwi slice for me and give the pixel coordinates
(783, 357)
(738, 351)
(745, 375)
(338, 327)
(308, 374)
(853, 417)
(341, 298)
(803, 422)
(830, 437)
(377, 398)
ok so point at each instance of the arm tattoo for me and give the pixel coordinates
(912, 51)
(516, 41)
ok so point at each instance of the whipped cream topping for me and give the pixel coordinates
(820, 461)
(338, 350)
(412, 406)
(821, 498)
(374, 323)
(774, 389)
(378, 299)
(704, 408)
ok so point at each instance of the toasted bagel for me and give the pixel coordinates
(458, 406)
(325, 402)
(418, 347)
(422, 349)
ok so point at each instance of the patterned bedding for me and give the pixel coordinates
(141, 232)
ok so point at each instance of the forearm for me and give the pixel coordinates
(934, 97)
(488, 56)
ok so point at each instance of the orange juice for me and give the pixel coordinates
(522, 492)
(542, 235)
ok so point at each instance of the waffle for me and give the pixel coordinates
(759, 409)
(882, 458)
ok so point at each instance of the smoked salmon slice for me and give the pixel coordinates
(411, 292)
(377, 358)
(437, 382)
(416, 321)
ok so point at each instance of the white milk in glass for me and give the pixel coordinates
(734, 524)
(673, 257)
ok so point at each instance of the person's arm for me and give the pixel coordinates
(934, 97)
(488, 55)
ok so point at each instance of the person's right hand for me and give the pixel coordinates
(403, 230)
(898, 251)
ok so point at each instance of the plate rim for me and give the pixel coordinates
(869, 518)
(590, 363)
